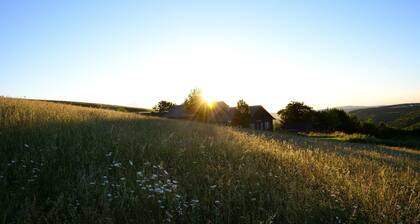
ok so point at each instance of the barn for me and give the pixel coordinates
(221, 113)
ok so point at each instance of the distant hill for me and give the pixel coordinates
(404, 116)
(352, 108)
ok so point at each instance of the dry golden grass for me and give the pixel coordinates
(61, 163)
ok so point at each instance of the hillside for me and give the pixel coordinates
(398, 116)
(69, 164)
(101, 106)
(351, 108)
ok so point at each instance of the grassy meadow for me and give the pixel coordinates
(402, 142)
(68, 164)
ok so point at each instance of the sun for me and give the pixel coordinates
(208, 99)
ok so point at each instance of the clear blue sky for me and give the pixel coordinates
(326, 53)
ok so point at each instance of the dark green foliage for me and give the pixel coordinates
(297, 116)
(335, 120)
(242, 116)
(163, 106)
(408, 121)
(401, 116)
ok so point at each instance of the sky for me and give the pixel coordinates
(135, 53)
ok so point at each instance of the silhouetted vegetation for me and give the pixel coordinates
(195, 105)
(297, 116)
(163, 106)
(331, 120)
(400, 116)
(241, 116)
(302, 118)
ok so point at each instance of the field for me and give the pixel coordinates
(409, 142)
(68, 164)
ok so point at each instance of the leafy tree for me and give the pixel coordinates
(242, 116)
(335, 120)
(195, 105)
(297, 116)
(163, 106)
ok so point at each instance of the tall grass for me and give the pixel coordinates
(67, 164)
(404, 141)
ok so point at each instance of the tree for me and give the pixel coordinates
(297, 116)
(195, 105)
(163, 106)
(241, 116)
(335, 120)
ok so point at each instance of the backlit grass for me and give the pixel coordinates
(67, 164)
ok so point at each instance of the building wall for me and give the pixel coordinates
(262, 125)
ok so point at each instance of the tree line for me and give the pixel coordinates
(297, 116)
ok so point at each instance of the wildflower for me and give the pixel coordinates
(169, 214)
(116, 164)
(158, 190)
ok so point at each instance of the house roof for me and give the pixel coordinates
(252, 110)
